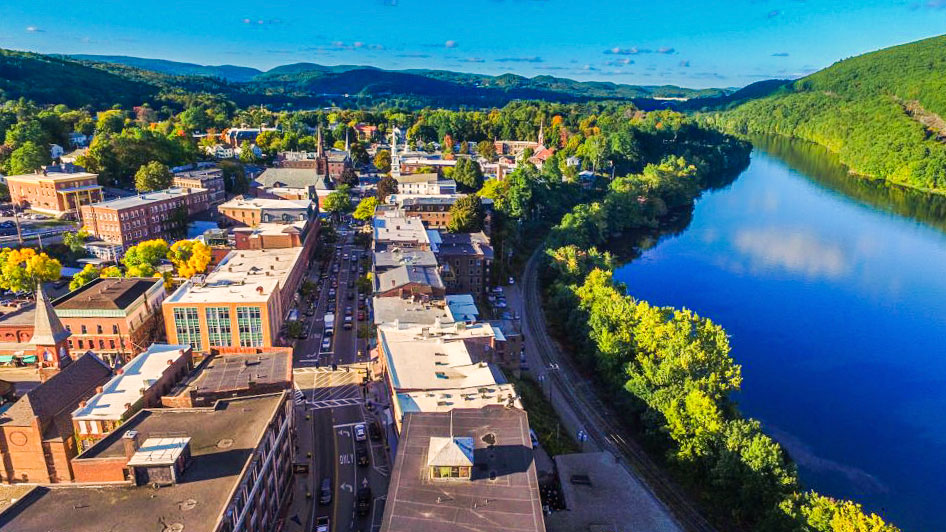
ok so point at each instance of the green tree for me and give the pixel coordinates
(365, 209)
(88, 274)
(141, 260)
(75, 241)
(382, 161)
(468, 175)
(153, 176)
(112, 121)
(486, 149)
(466, 215)
(28, 158)
(21, 269)
(358, 153)
(247, 156)
(337, 203)
(349, 177)
(26, 131)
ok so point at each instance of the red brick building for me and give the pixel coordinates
(159, 214)
(55, 193)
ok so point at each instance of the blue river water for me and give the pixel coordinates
(834, 293)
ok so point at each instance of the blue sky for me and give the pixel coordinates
(711, 43)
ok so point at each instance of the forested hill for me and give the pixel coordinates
(884, 113)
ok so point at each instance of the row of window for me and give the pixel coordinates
(91, 344)
(219, 332)
(98, 329)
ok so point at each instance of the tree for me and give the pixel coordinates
(110, 271)
(486, 149)
(190, 257)
(141, 260)
(382, 161)
(365, 209)
(337, 202)
(234, 177)
(447, 149)
(88, 274)
(21, 269)
(153, 176)
(294, 328)
(247, 155)
(387, 185)
(468, 175)
(358, 153)
(112, 121)
(466, 215)
(27, 158)
(349, 177)
(75, 241)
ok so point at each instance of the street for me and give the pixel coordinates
(331, 384)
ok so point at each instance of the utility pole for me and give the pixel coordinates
(16, 220)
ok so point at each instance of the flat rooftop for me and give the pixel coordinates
(447, 400)
(224, 373)
(404, 257)
(53, 176)
(265, 203)
(146, 198)
(108, 293)
(404, 275)
(407, 311)
(501, 496)
(273, 229)
(393, 227)
(436, 358)
(250, 275)
(223, 439)
(124, 388)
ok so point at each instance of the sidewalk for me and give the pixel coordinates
(299, 510)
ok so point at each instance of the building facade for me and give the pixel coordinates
(160, 214)
(55, 193)
(210, 179)
(466, 260)
(254, 211)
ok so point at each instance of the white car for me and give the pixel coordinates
(512, 281)
(321, 524)
(360, 432)
(326, 343)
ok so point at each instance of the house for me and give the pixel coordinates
(53, 192)
(425, 184)
(224, 376)
(250, 212)
(409, 281)
(210, 179)
(37, 441)
(392, 229)
(222, 468)
(466, 260)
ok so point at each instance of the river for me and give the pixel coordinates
(833, 290)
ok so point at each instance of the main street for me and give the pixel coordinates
(574, 399)
(331, 382)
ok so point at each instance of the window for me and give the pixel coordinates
(218, 326)
(114, 328)
(250, 325)
(187, 325)
(111, 344)
(98, 329)
(83, 329)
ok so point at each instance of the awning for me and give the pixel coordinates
(30, 359)
(6, 358)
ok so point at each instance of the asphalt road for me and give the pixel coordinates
(335, 397)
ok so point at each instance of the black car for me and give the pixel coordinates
(325, 491)
(361, 456)
(364, 501)
(374, 431)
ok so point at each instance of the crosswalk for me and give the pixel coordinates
(298, 397)
(312, 370)
(333, 403)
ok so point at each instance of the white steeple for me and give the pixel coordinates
(395, 159)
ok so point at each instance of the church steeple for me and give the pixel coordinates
(318, 142)
(50, 338)
(347, 145)
(395, 159)
(542, 132)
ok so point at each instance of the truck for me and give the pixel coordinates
(329, 324)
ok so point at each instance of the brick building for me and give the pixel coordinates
(250, 212)
(227, 468)
(409, 281)
(240, 306)
(465, 259)
(136, 385)
(55, 193)
(210, 179)
(229, 375)
(160, 214)
(36, 437)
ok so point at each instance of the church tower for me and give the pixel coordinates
(542, 132)
(50, 339)
(395, 160)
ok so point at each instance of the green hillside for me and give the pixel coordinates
(175, 68)
(882, 113)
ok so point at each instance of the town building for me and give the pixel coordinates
(254, 211)
(410, 164)
(409, 281)
(210, 179)
(425, 184)
(146, 216)
(34, 335)
(136, 385)
(118, 318)
(275, 235)
(37, 440)
(396, 257)
(236, 136)
(464, 469)
(229, 375)
(55, 193)
(226, 468)
(411, 311)
(432, 210)
(292, 183)
(466, 260)
(391, 229)
(328, 163)
(240, 306)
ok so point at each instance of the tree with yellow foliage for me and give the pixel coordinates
(21, 269)
(190, 257)
(140, 260)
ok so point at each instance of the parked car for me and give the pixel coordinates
(321, 524)
(361, 456)
(360, 433)
(326, 343)
(325, 492)
(512, 281)
(364, 501)
(374, 431)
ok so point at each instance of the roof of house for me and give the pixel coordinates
(234, 372)
(405, 275)
(223, 439)
(52, 176)
(291, 177)
(147, 198)
(124, 389)
(462, 307)
(404, 257)
(112, 293)
(265, 203)
(450, 451)
(250, 275)
(409, 311)
(47, 328)
(394, 227)
(452, 244)
(447, 400)
(419, 178)
(502, 493)
(60, 394)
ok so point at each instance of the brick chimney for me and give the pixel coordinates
(130, 443)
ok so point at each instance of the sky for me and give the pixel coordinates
(711, 43)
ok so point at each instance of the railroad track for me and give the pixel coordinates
(597, 417)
